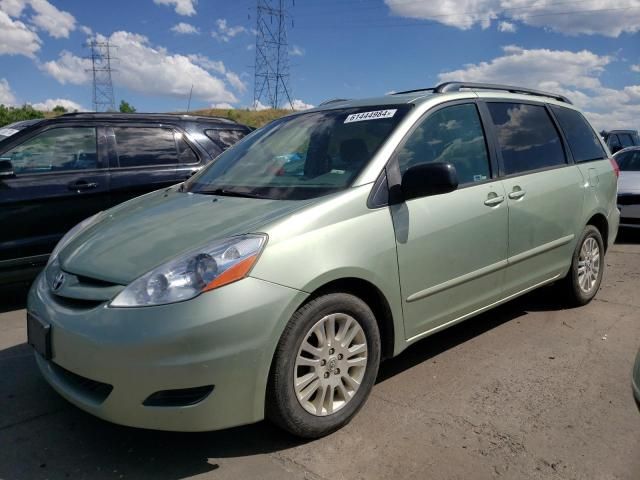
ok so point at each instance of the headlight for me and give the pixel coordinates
(192, 273)
(86, 223)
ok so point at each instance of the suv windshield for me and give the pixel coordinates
(301, 156)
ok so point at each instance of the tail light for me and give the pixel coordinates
(616, 168)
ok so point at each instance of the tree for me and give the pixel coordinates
(15, 114)
(125, 107)
(59, 109)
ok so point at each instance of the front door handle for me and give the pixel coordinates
(517, 193)
(82, 185)
(494, 200)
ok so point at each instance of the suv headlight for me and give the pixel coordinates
(193, 273)
(83, 225)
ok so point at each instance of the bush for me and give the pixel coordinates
(15, 114)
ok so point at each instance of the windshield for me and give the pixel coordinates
(629, 161)
(302, 156)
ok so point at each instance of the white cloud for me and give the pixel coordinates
(224, 32)
(6, 95)
(258, 105)
(16, 38)
(148, 69)
(86, 30)
(573, 74)
(56, 23)
(182, 7)
(208, 64)
(635, 68)
(297, 51)
(44, 15)
(236, 82)
(507, 27)
(298, 104)
(223, 105)
(68, 68)
(51, 103)
(601, 17)
(185, 29)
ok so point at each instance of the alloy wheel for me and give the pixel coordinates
(330, 364)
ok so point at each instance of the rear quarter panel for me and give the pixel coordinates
(601, 194)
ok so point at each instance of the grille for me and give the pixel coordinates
(178, 398)
(96, 391)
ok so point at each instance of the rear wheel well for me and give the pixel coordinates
(374, 298)
(600, 222)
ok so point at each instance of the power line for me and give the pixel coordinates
(271, 81)
(103, 98)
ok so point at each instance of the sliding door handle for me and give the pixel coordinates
(516, 194)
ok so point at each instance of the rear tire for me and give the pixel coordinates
(587, 267)
(324, 367)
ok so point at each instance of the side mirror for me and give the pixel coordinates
(429, 179)
(6, 169)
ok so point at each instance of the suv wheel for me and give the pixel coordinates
(584, 277)
(325, 366)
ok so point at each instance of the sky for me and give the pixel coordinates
(588, 50)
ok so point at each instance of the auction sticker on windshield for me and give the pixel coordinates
(375, 115)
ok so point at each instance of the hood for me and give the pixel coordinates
(148, 231)
(629, 182)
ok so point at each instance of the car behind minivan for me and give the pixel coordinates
(58, 171)
(273, 282)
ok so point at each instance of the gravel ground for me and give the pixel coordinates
(529, 390)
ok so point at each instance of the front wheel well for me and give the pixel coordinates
(600, 222)
(374, 298)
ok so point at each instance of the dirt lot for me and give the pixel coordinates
(527, 391)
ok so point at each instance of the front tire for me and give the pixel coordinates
(324, 367)
(587, 267)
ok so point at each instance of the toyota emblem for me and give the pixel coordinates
(58, 281)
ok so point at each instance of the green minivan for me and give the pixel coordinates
(272, 283)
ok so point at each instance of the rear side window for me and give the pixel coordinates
(629, 161)
(225, 138)
(527, 137)
(614, 142)
(636, 138)
(185, 152)
(142, 146)
(582, 140)
(625, 140)
(453, 135)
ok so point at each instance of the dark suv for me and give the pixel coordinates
(56, 172)
(616, 140)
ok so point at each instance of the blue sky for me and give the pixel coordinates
(587, 49)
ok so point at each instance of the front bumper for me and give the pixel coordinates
(225, 338)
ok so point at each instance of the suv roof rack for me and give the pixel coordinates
(457, 86)
(333, 100)
(142, 114)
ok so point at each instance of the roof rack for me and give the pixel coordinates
(428, 89)
(457, 86)
(143, 114)
(333, 100)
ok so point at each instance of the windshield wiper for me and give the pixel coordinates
(229, 193)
